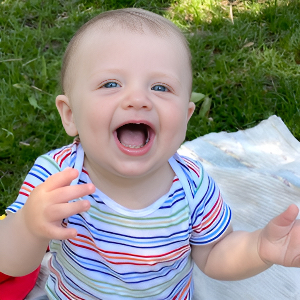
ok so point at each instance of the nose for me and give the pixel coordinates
(137, 99)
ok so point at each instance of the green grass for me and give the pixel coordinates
(249, 68)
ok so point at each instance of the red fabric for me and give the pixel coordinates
(3, 277)
(17, 288)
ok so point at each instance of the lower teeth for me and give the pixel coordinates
(132, 146)
(136, 146)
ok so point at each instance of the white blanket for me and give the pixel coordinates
(258, 172)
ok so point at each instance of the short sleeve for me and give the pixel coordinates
(210, 215)
(43, 167)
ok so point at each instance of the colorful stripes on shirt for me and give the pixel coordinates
(130, 254)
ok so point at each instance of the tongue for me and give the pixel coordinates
(132, 135)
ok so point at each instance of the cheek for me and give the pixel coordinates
(91, 118)
(176, 124)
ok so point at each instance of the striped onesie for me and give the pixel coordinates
(130, 254)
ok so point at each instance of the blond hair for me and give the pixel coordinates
(132, 19)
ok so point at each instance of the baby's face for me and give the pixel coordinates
(129, 100)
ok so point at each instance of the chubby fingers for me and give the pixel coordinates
(65, 210)
(68, 193)
(60, 197)
(280, 226)
(60, 233)
(58, 212)
(288, 217)
(60, 179)
(52, 201)
(58, 187)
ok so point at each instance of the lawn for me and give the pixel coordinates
(246, 61)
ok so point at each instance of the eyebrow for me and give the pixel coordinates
(161, 74)
(154, 74)
(115, 70)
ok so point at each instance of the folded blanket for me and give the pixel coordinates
(258, 172)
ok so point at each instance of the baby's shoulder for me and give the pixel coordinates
(193, 171)
(190, 166)
(60, 158)
(63, 156)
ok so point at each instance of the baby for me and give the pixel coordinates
(124, 214)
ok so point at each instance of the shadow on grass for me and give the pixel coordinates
(249, 68)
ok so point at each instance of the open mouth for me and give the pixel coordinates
(134, 135)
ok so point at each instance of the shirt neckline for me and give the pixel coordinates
(118, 207)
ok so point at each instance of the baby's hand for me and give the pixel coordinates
(279, 241)
(48, 205)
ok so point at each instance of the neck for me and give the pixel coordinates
(133, 192)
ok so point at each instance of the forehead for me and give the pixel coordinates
(104, 33)
(100, 40)
(117, 43)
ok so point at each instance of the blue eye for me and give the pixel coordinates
(160, 88)
(110, 85)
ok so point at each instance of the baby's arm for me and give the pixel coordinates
(25, 235)
(238, 254)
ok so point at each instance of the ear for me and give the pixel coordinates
(191, 109)
(66, 114)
